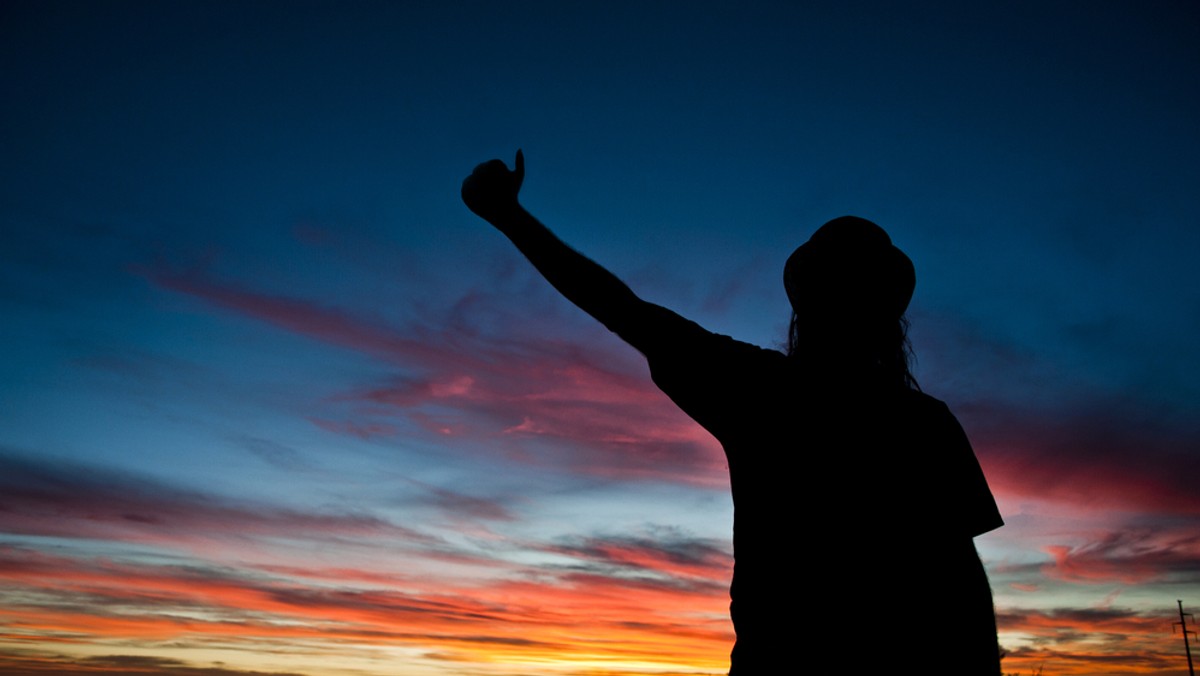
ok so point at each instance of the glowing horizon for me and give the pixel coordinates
(274, 402)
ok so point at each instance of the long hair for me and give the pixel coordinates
(885, 349)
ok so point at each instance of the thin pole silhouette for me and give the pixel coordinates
(1182, 623)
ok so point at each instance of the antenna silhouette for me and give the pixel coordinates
(1187, 648)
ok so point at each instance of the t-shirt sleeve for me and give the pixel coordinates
(970, 495)
(706, 374)
(654, 330)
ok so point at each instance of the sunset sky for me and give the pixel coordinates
(272, 400)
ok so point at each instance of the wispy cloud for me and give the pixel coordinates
(1077, 642)
(1114, 458)
(1135, 556)
(672, 582)
(459, 381)
(46, 498)
(468, 507)
(664, 554)
(1045, 431)
(547, 616)
(49, 664)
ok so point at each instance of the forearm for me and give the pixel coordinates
(491, 192)
(578, 278)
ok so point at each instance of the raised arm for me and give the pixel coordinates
(491, 192)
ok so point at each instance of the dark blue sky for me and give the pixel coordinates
(235, 265)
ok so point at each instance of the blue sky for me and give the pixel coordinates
(250, 326)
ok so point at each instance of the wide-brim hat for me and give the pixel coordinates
(850, 265)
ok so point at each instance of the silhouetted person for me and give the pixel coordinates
(856, 496)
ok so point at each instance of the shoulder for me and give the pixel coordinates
(665, 337)
(925, 401)
(702, 371)
(930, 418)
(927, 408)
(951, 455)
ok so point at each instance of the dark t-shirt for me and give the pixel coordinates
(846, 491)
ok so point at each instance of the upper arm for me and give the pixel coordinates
(653, 329)
(973, 499)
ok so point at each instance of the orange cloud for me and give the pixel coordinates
(553, 617)
(1078, 642)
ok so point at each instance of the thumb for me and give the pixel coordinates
(519, 167)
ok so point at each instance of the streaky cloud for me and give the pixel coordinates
(42, 497)
(1131, 556)
(1044, 431)
(459, 381)
(1080, 641)
(44, 663)
(671, 555)
(554, 617)
(1110, 456)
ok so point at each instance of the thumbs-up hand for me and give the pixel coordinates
(491, 190)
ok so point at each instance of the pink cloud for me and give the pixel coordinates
(39, 497)
(462, 382)
(559, 617)
(322, 323)
(1078, 437)
(1133, 556)
(1142, 479)
(610, 421)
(468, 507)
(665, 556)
